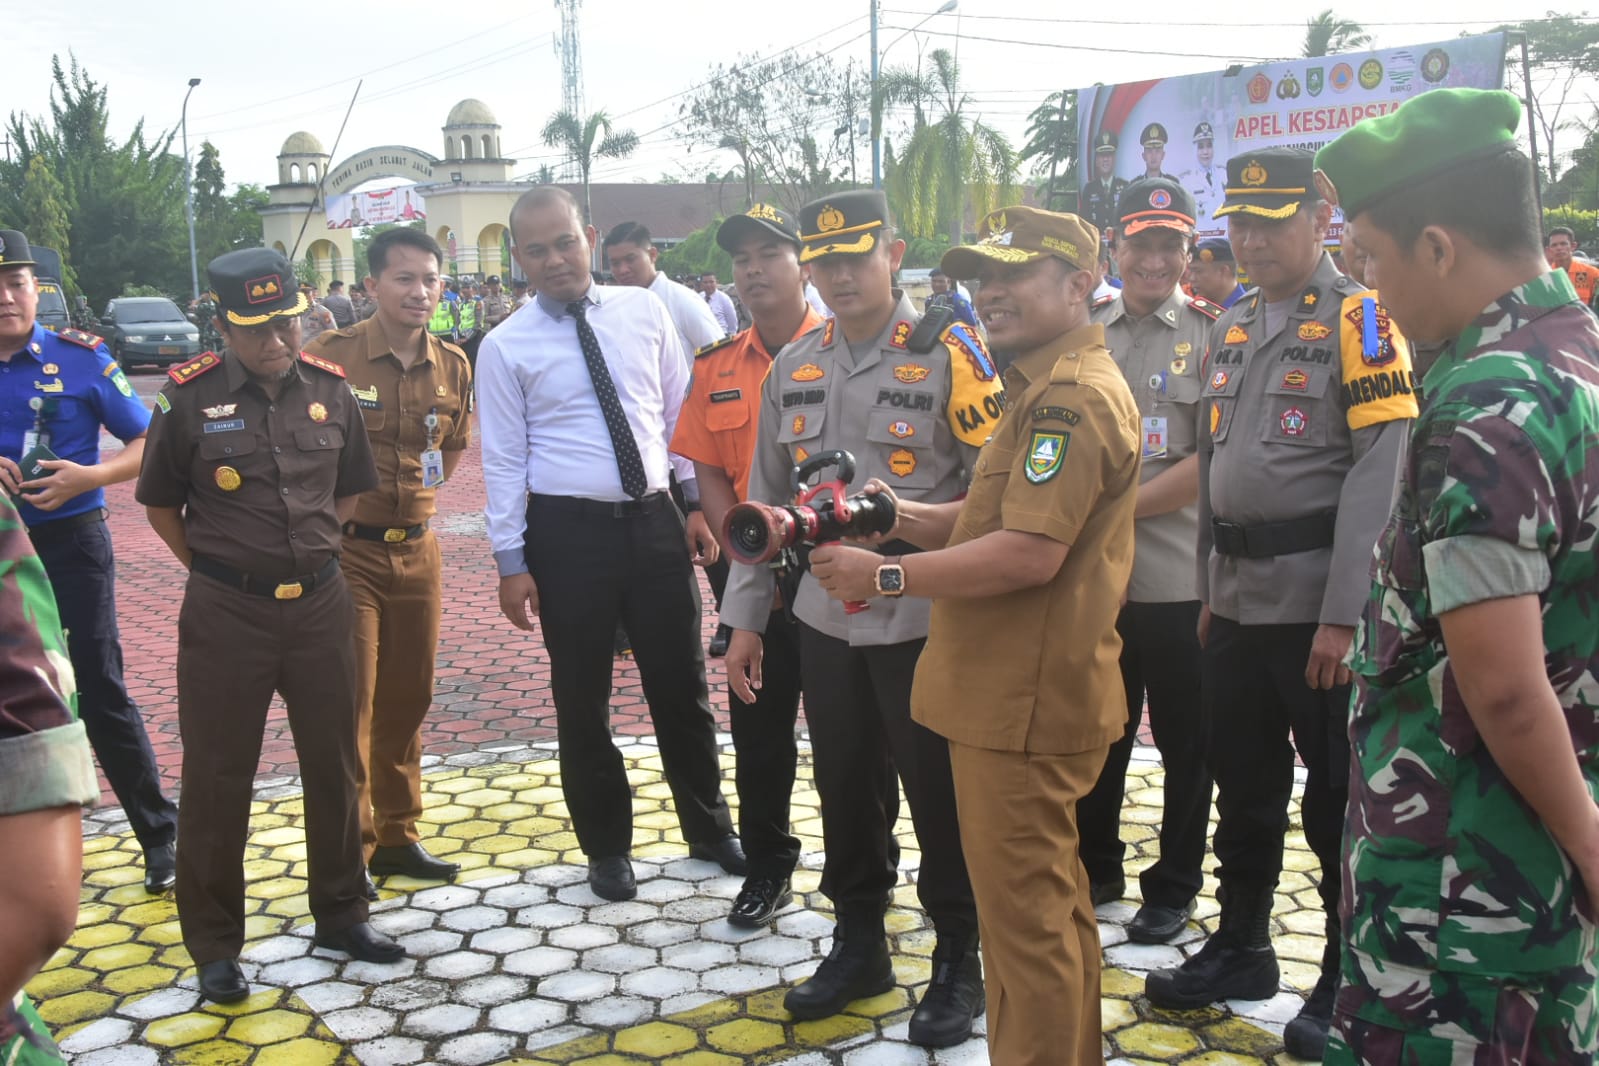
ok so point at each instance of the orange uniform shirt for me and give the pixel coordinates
(1584, 278)
(718, 421)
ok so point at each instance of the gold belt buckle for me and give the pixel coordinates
(393, 536)
(290, 590)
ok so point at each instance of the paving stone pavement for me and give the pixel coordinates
(519, 961)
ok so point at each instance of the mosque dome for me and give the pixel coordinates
(471, 112)
(302, 143)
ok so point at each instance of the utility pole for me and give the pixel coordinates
(188, 195)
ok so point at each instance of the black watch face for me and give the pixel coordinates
(891, 578)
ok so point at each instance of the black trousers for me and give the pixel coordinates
(857, 703)
(1160, 660)
(763, 740)
(593, 570)
(82, 573)
(716, 574)
(1256, 697)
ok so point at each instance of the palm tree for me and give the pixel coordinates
(952, 158)
(586, 140)
(1327, 33)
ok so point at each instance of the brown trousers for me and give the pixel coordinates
(1018, 822)
(396, 592)
(234, 651)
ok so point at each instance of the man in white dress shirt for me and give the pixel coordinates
(720, 303)
(578, 397)
(630, 254)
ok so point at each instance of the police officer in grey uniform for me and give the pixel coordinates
(1157, 335)
(913, 410)
(1103, 191)
(1307, 402)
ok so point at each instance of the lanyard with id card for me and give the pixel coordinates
(432, 458)
(1155, 442)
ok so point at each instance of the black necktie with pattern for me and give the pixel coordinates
(628, 462)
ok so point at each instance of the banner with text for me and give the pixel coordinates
(1188, 127)
(357, 209)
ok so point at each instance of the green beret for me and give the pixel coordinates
(1427, 136)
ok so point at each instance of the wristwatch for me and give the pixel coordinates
(890, 578)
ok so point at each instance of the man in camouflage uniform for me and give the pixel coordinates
(1471, 848)
(1307, 400)
(46, 776)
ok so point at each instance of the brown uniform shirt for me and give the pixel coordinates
(1038, 669)
(257, 478)
(395, 404)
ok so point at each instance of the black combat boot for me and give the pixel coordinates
(857, 967)
(1306, 1035)
(953, 998)
(1237, 962)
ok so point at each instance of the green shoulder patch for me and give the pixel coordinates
(120, 380)
(1046, 452)
(162, 402)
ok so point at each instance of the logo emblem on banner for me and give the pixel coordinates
(1341, 78)
(1288, 87)
(1370, 74)
(1259, 89)
(1313, 81)
(1435, 66)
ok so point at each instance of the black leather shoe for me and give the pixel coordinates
(361, 941)
(1306, 1035)
(759, 900)
(857, 967)
(412, 860)
(612, 878)
(727, 853)
(1237, 962)
(1103, 892)
(160, 868)
(223, 982)
(720, 640)
(953, 998)
(368, 889)
(1154, 924)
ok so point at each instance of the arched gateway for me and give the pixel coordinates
(468, 192)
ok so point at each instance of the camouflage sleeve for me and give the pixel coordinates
(1489, 509)
(44, 752)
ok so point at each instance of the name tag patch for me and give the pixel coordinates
(726, 395)
(228, 426)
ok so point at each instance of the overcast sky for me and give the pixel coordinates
(261, 83)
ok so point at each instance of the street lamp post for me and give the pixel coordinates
(877, 69)
(188, 195)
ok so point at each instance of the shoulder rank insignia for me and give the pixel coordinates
(827, 331)
(707, 349)
(1205, 307)
(77, 336)
(958, 338)
(1307, 302)
(184, 373)
(902, 333)
(322, 364)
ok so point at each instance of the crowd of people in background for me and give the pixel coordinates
(1301, 525)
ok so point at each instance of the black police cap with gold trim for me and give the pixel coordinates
(846, 223)
(1271, 183)
(1154, 136)
(767, 220)
(14, 249)
(1105, 141)
(253, 285)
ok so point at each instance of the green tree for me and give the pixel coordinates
(587, 140)
(223, 221)
(44, 216)
(787, 118)
(364, 237)
(1052, 149)
(1563, 51)
(953, 159)
(123, 199)
(921, 253)
(698, 253)
(1327, 33)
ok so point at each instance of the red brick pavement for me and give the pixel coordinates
(492, 679)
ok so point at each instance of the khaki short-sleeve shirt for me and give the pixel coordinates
(1037, 669)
